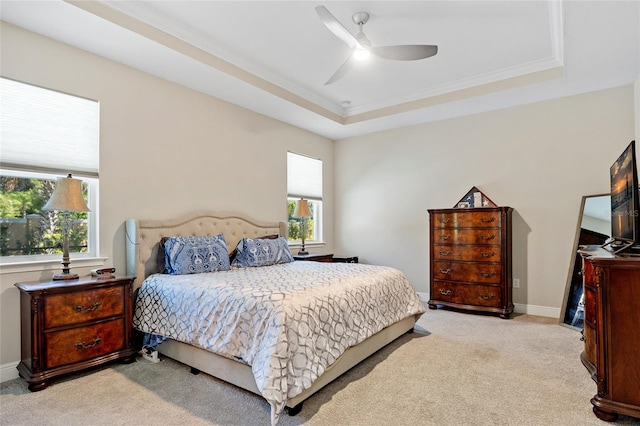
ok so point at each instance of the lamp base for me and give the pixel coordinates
(303, 252)
(65, 276)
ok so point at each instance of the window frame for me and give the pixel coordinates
(92, 220)
(314, 198)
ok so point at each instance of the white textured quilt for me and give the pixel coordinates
(289, 322)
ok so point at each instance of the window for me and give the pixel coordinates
(304, 180)
(45, 135)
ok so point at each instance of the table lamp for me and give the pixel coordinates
(66, 198)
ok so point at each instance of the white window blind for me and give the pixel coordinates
(304, 177)
(42, 129)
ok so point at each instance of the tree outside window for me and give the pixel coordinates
(25, 229)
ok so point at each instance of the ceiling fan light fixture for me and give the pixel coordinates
(361, 54)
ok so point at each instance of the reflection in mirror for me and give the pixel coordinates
(594, 227)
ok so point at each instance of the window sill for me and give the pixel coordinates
(50, 265)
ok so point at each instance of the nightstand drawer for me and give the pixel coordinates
(83, 343)
(78, 307)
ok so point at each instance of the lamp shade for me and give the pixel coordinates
(67, 196)
(302, 209)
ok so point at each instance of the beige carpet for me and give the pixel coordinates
(457, 369)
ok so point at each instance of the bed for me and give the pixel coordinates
(313, 283)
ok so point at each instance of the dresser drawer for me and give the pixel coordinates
(476, 295)
(466, 236)
(83, 343)
(486, 253)
(78, 307)
(469, 272)
(465, 219)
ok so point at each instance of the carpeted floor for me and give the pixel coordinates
(456, 369)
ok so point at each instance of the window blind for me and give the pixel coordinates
(45, 130)
(304, 177)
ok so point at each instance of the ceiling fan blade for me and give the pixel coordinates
(336, 27)
(409, 52)
(344, 68)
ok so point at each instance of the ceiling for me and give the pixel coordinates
(274, 57)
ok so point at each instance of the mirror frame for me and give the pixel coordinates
(572, 265)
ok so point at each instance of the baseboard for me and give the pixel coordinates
(8, 372)
(518, 308)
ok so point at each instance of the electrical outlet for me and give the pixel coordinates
(516, 283)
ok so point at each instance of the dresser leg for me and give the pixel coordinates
(605, 415)
(35, 387)
(432, 306)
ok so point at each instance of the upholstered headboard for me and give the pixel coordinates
(143, 236)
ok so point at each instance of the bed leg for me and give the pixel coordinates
(292, 411)
(194, 371)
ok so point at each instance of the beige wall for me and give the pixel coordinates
(539, 159)
(164, 150)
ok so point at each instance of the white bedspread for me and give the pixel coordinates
(288, 322)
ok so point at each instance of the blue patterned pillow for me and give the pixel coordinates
(261, 252)
(194, 255)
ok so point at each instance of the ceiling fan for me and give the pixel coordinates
(362, 46)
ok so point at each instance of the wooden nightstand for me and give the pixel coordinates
(338, 258)
(67, 326)
(315, 257)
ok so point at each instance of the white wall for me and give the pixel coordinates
(539, 159)
(637, 107)
(164, 151)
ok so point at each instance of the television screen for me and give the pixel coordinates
(624, 197)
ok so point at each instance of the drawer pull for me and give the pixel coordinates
(445, 237)
(487, 297)
(82, 345)
(489, 237)
(444, 220)
(445, 271)
(445, 252)
(490, 254)
(487, 274)
(485, 220)
(87, 308)
(445, 292)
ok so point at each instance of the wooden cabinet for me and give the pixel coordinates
(68, 326)
(612, 332)
(471, 259)
(314, 257)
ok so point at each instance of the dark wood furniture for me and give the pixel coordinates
(612, 331)
(470, 259)
(67, 326)
(314, 257)
(338, 258)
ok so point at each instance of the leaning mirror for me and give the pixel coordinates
(594, 227)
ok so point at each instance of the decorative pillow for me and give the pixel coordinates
(233, 254)
(194, 255)
(262, 252)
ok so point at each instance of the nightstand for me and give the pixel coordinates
(71, 325)
(314, 257)
(344, 259)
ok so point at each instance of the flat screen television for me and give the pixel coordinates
(625, 202)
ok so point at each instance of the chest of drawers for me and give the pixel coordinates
(470, 259)
(68, 326)
(611, 333)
